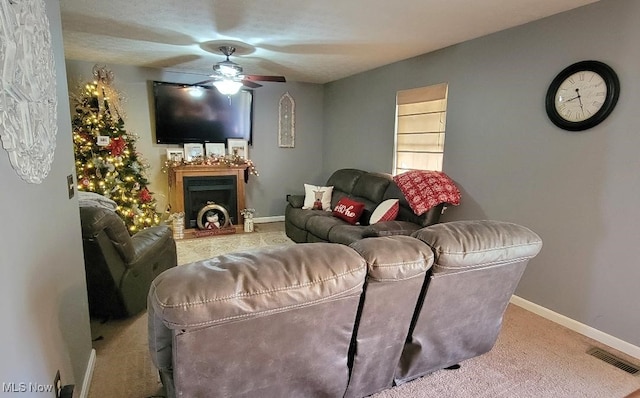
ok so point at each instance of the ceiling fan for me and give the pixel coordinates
(227, 75)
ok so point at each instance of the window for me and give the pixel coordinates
(420, 126)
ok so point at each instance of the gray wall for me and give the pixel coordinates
(282, 170)
(579, 191)
(44, 307)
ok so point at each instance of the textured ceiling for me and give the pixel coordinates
(313, 41)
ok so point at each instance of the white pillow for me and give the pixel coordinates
(385, 211)
(314, 195)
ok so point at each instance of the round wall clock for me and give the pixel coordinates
(582, 95)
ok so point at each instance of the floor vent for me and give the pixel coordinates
(615, 361)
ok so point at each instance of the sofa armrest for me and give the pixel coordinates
(390, 228)
(160, 337)
(97, 219)
(148, 243)
(296, 201)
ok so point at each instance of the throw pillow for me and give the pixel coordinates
(317, 197)
(348, 210)
(385, 211)
(92, 199)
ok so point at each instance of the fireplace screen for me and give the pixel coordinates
(201, 191)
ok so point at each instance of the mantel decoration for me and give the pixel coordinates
(287, 121)
(28, 102)
(226, 160)
(213, 219)
(177, 224)
(248, 219)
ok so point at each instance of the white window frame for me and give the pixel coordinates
(420, 127)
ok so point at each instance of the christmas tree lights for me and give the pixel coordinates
(107, 162)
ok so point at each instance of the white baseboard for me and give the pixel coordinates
(88, 374)
(259, 220)
(578, 327)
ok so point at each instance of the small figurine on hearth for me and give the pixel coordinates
(248, 219)
(213, 220)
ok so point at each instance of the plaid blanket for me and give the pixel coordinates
(427, 189)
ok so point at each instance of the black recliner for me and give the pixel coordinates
(119, 267)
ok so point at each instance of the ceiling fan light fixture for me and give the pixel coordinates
(227, 86)
(227, 68)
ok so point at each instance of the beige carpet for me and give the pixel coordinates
(270, 234)
(533, 358)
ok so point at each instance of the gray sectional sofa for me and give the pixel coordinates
(305, 225)
(330, 320)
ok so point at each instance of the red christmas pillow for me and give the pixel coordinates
(348, 210)
(386, 211)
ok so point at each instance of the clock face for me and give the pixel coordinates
(582, 95)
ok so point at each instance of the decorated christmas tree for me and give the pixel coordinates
(106, 159)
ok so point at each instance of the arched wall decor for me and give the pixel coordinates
(28, 102)
(287, 122)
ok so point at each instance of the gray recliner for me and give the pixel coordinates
(477, 267)
(119, 267)
(397, 266)
(273, 322)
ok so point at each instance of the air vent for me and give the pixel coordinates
(613, 360)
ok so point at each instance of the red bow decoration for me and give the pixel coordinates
(116, 146)
(144, 195)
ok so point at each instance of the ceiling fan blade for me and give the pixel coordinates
(203, 82)
(250, 84)
(261, 78)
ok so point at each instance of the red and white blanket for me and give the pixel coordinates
(427, 189)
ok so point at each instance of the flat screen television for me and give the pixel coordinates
(198, 114)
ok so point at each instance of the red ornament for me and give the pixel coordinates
(144, 195)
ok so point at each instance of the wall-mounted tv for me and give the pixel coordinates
(189, 113)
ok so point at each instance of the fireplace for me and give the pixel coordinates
(191, 187)
(204, 190)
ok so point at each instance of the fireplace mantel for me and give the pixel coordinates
(178, 173)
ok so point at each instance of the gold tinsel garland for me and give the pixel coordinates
(227, 160)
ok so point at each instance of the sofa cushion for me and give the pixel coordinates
(394, 258)
(300, 217)
(317, 197)
(320, 226)
(234, 286)
(464, 245)
(372, 186)
(345, 179)
(345, 234)
(390, 228)
(348, 210)
(296, 201)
